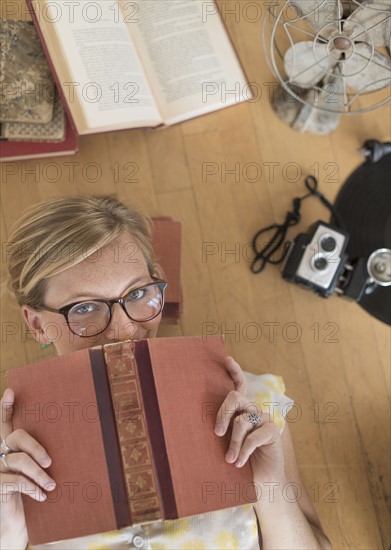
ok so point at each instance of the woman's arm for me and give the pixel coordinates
(284, 524)
(288, 524)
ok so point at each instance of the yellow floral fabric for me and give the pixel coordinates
(229, 529)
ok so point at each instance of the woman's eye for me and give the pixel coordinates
(82, 309)
(137, 294)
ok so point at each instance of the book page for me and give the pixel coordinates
(187, 56)
(107, 78)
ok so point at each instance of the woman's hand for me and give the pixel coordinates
(260, 443)
(21, 471)
(285, 523)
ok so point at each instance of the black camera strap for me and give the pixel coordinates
(264, 253)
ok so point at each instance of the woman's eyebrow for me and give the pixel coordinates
(87, 296)
(142, 280)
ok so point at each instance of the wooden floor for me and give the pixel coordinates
(333, 356)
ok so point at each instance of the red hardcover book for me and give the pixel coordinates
(130, 429)
(167, 245)
(25, 150)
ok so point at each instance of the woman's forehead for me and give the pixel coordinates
(107, 272)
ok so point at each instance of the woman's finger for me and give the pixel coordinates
(22, 463)
(12, 483)
(241, 428)
(266, 434)
(233, 404)
(6, 411)
(19, 440)
(237, 375)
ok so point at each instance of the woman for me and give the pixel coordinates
(68, 252)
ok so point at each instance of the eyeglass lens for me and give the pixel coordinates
(91, 318)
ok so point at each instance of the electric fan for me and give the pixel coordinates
(331, 57)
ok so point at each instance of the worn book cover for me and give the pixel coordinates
(26, 83)
(130, 429)
(52, 131)
(24, 150)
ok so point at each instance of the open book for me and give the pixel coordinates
(130, 430)
(140, 63)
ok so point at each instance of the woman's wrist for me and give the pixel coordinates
(12, 537)
(271, 493)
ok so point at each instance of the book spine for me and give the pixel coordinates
(155, 429)
(110, 438)
(138, 468)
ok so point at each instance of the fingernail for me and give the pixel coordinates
(50, 485)
(45, 461)
(219, 429)
(231, 454)
(42, 496)
(238, 463)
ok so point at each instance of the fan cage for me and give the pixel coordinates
(274, 26)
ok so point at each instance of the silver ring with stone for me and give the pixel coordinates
(4, 447)
(254, 419)
(3, 460)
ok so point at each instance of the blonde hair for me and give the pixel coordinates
(56, 234)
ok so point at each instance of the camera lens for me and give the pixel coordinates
(379, 266)
(320, 263)
(328, 244)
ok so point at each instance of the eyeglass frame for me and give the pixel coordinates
(162, 285)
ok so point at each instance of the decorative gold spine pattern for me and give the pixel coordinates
(141, 485)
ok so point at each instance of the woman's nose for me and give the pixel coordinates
(121, 327)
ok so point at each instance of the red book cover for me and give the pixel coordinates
(130, 430)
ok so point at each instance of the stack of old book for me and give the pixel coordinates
(167, 241)
(32, 118)
(136, 65)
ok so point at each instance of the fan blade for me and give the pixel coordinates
(306, 63)
(322, 15)
(367, 70)
(375, 17)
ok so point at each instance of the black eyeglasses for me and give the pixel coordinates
(92, 317)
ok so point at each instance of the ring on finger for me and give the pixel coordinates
(5, 448)
(254, 419)
(4, 461)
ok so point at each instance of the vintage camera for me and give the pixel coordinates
(318, 261)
